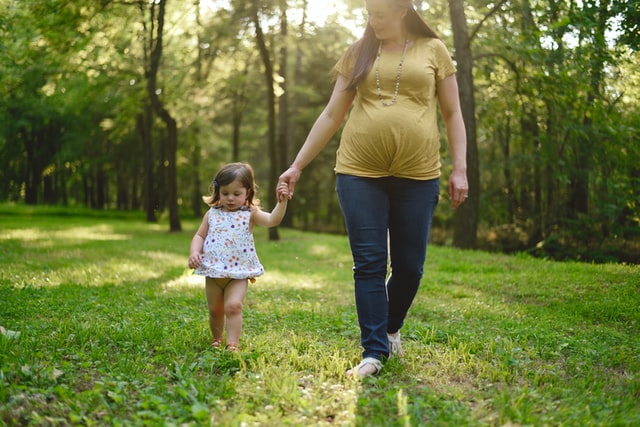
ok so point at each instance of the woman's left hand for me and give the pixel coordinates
(282, 191)
(287, 182)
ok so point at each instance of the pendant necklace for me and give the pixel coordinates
(377, 69)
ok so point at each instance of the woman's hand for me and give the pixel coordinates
(287, 182)
(458, 188)
(282, 192)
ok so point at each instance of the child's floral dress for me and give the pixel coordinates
(229, 248)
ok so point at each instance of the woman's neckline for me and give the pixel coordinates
(399, 47)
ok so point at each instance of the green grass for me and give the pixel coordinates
(103, 324)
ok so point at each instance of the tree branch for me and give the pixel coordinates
(495, 9)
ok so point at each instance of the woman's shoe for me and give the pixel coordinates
(395, 346)
(216, 343)
(369, 366)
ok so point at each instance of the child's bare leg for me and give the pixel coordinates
(215, 302)
(233, 297)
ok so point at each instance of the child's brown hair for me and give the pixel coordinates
(230, 172)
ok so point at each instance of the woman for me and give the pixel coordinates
(388, 163)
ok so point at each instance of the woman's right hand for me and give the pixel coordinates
(289, 178)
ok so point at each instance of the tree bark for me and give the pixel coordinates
(586, 145)
(143, 125)
(283, 102)
(165, 116)
(196, 182)
(467, 215)
(271, 108)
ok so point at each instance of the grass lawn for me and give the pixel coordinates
(102, 323)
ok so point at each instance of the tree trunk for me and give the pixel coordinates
(283, 112)
(584, 149)
(504, 139)
(293, 105)
(196, 196)
(271, 107)
(467, 215)
(144, 130)
(530, 132)
(165, 116)
(238, 105)
(33, 172)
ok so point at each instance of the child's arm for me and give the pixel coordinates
(273, 218)
(197, 243)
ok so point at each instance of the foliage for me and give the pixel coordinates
(102, 324)
(556, 90)
(551, 114)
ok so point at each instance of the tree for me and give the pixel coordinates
(151, 74)
(271, 108)
(467, 215)
(283, 100)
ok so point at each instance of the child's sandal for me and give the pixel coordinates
(216, 343)
(232, 348)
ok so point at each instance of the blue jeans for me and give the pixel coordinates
(386, 217)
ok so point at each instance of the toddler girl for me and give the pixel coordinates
(223, 248)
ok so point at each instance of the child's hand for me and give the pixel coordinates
(283, 192)
(283, 197)
(195, 259)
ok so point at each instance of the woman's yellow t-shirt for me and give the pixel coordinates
(400, 140)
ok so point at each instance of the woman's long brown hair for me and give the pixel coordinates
(365, 49)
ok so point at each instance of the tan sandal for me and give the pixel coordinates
(216, 342)
(232, 348)
(375, 363)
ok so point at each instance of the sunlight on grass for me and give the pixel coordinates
(187, 280)
(48, 238)
(112, 272)
(462, 304)
(274, 280)
(164, 258)
(308, 384)
(282, 280)
(321, 250)
(74, 268)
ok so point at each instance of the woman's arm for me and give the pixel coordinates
(457, 137)
(326, 125)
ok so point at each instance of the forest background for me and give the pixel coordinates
(134, 105)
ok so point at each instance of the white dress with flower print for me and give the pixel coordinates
(229, 248)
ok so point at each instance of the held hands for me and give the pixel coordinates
(282, 192)
(287, 182)
(458, 188)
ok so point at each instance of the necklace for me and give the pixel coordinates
(397, 88)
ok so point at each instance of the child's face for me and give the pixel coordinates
(233, 195)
